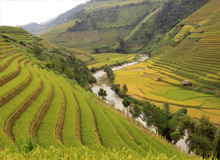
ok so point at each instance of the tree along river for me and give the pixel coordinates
(112, 98)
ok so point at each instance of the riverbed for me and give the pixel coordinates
(112, 98)
(104, 82)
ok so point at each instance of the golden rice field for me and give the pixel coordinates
(195, 58)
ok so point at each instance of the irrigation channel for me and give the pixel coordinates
(112, 98)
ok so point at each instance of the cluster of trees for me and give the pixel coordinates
(109, 73)
(123, 47)
(57, 59)
(102, 93)
(174, 11)
(79, 26)
(165, 122)
(91, 20)
(203, 135)
(104, 49)
(73, 68)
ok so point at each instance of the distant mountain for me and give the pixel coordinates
(47, 21)
(38, 29)
(31, 27)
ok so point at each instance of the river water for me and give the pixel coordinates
(112, 98)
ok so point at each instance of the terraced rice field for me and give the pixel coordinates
(18, 35)
(196, 58)
(38, 103)
(109, 59)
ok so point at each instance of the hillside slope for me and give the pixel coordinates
(37, 103)
(190, 51)
(101, 23)
(52, 57)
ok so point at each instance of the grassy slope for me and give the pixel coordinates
(109, 32)
(195, 58)
(85, 121)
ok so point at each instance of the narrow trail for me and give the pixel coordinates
(78, 124)
(60, 122)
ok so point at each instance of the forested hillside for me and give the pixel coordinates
(148, 38)
(101, 24)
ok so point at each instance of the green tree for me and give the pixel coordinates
(175, 136)
(135, 111)
(37, 50)
(102, 93)
(201, 135)
(126, 102)
(125, 88)
(216, 142)
(167, 107)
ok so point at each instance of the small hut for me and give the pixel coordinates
(107, 59)
(201, 31)
(187, 83)
(159, 78)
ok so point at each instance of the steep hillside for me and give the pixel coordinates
(35, 102)
(190, 51)
(53, 57)
(101, 24)
(148, 37)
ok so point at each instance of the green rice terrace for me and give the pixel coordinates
(56, 114)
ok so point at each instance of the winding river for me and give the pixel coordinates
(112, 98)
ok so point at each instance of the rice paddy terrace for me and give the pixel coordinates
(194, 56)
(35, 102)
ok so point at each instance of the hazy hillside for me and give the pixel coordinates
(101, 24)
(31, 27)
(42, 28)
